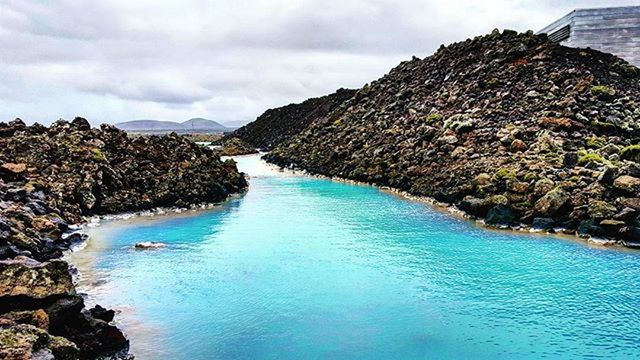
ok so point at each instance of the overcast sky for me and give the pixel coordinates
(226, 60)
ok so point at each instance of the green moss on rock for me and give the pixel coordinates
(600, 90)
(631, 152)
(504, 174)
(590, 157)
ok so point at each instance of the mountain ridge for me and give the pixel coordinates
(194, 124)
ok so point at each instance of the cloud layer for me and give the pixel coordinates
(118, 60)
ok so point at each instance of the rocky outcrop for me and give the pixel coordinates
(279, 124)
(52, 177)
(236, 146)
(26, 277)
(27, 342)
(509, 127)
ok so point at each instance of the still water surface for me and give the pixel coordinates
(309, 268)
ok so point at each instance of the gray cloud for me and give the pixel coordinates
(228, 60)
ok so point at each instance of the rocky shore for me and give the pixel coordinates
(510, 128)
(51, 178)
(277, 125)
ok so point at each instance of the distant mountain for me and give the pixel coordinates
(158, 126)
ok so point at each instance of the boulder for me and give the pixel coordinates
(502, 216)
(633, 203)
(24, 342)
(94, 337)
(589, 228)
(551, 202)
(63, 312)
(542, 224)
(101, 313)
(11, 171)
(518, 145)
(81, 124)
(599, 209)
(27, 277)
(149, 245)
(570, 160)
(627, 184)
(37, 318)
(542, 187)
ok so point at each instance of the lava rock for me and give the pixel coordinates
(501, 215)
(101, 313)
(542, 224)
(27, 277)
(277, 125)
(548, 127)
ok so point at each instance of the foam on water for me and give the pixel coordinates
(309, 268)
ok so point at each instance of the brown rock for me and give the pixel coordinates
(11, 171)
(518, 145)
(43, 224)
(628, 184)
(27, 342)
(27, 277)
(633, 203)
(551, 202)
(542, 187)
(37, 318)
(517, 187)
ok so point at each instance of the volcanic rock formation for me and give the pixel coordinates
(279, 124)
(53, 177)
(509, 127)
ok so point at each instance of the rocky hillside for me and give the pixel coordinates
(509, 127)
(53, 177)
(277, 125)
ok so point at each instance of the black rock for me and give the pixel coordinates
(590, 228)
(101, 313)
(543, 224)
(501, 215)
(570, 160)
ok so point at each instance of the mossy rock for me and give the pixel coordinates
(98, 155)
(504, 174)
(492, 82)
(603, 126)
(498, 200)
(631, 152)
(601, 209)
(433, 117)
(551, 202)
(590, 157)
(595, 142)
(603, 91)
(459, 123)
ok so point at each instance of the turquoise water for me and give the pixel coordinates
(314, 269)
